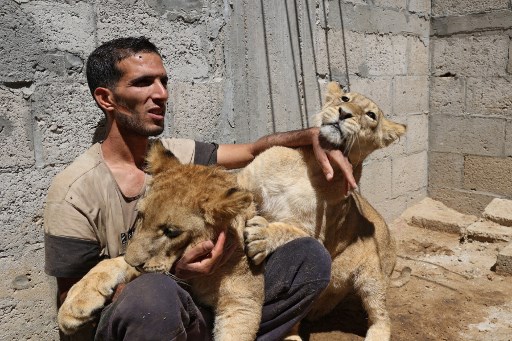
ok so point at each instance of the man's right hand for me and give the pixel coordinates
(203, 258)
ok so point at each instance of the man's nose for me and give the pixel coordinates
(160, 91)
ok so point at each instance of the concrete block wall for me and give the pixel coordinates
(470, 144)
(238, 69)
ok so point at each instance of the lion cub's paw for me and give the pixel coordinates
(255, 236)
(84, 300)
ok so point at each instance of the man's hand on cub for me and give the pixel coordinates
(326, 158)
(203, 258)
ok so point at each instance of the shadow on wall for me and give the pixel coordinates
(99, 132)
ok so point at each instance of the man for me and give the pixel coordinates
(91, 208)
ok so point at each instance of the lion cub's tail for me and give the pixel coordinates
(402, 279)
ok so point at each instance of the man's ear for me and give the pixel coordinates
(105, 99)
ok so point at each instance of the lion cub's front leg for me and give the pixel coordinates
(262, 238)
(90, 294)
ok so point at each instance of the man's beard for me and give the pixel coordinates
(135, 125)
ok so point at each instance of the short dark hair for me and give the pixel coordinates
(102, 70)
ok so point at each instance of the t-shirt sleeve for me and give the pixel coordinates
(206, 153)
(190, 151)
(71, 247)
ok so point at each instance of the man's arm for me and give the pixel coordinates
(238, 155)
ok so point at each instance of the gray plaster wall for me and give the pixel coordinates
(470, 150)
(238, 69)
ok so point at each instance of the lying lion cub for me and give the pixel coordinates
(292, 193)
(186, 204)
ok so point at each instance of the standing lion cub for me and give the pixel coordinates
(292, 194)
(186, 204)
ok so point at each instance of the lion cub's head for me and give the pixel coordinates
(186, 204)
(353, 123)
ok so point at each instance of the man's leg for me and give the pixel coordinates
(295, 274)
(153, 307)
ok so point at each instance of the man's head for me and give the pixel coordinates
(128, 81)
(102, 69)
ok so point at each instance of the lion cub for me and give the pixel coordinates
(186, 204)
(292, 194)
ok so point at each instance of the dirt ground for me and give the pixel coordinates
(453, 294)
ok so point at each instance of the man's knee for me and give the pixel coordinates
(153, 307)
(303, 263)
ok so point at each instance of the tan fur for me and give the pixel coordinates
(293, 195)
(186, 204)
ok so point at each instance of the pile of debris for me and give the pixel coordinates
(495, 226)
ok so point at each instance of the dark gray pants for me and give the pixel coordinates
(154, 307)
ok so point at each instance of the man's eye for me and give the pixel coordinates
(142, 83)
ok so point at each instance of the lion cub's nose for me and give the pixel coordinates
(344, 114)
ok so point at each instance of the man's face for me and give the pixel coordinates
(141, 94)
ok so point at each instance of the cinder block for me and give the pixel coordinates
(417, 56)
(458, 7)
(488, 174)
(445, 169)
(390, 209)
(65, 27)
(467, 202)
(21, 43)
(421, 7)
(386, 55)
(338, 42)
(504, 261)
(467, 135)
(489, 96)
(487, 231)
(499, 211)
(508, 138)
(469, 55)
(434, 215)
(509, 65)
(197, 111)
(67, 118)
(395, 4)
(409, 173)
(376, 180)
(417, 133)
(410, 94)
(16, 135)
(449, 25)
(447, 95)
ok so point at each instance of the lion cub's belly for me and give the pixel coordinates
(283, 191)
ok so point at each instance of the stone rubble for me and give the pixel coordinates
(495, 226)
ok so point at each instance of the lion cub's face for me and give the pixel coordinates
(185, 205)
(353, 123)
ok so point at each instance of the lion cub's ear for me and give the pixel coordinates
(227, 206)
(391, 131)
(333, 92)
(159, 158)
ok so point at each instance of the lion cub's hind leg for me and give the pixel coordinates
(371, 287)
(262, 238)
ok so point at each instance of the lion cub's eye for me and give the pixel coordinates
(171, 233)
(345, 98)
(372, 115)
